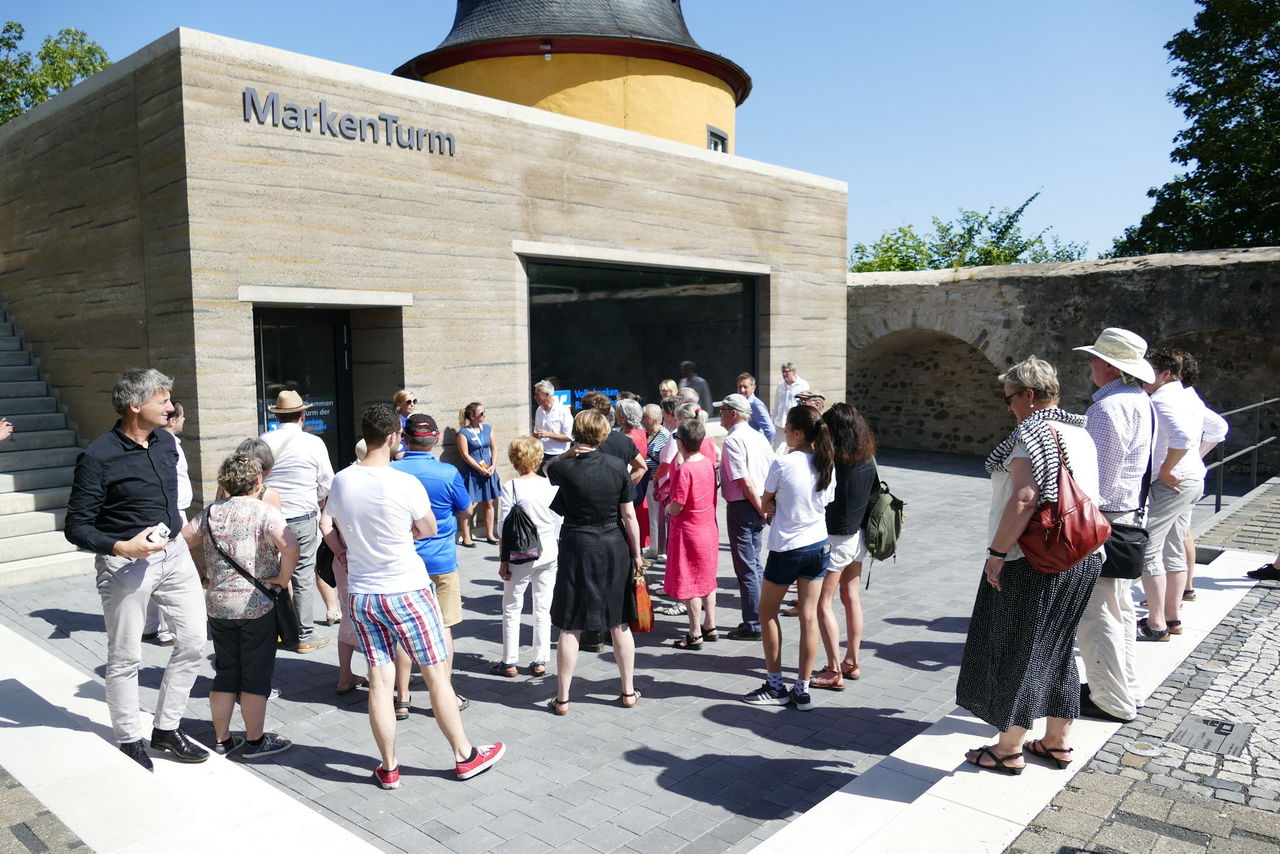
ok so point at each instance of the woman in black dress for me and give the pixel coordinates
(599, 553)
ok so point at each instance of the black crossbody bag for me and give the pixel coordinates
(1126, 548)
(287, 626)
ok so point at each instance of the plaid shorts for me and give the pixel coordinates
(412, 619)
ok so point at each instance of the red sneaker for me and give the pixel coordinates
(387, 779)
(485, 757)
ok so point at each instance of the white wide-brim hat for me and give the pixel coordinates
(1123, 350)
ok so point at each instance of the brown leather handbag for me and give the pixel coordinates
(1061, 535)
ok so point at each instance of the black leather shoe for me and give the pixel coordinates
(179, 744)
(137, 751)
(591, 642)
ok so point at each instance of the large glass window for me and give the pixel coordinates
(614, 328)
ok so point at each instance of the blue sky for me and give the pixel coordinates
(922, 106)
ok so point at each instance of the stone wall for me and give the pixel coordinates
(1218, 305)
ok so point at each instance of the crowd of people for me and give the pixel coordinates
(613, 495)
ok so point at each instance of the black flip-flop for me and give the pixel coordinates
(360, 682)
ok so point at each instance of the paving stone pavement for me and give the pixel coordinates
(26, 827)
(1187, 798)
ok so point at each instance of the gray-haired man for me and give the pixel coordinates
(124, 507)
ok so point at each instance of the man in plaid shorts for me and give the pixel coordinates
(379, 512)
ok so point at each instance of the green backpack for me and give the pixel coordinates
(884, 522)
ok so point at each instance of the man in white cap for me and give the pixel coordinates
(1120, 421)
(743, 468)
(302, 474)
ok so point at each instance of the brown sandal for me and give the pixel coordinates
(827, 678)
(850, 671)
(999, 761)
(1036, 748)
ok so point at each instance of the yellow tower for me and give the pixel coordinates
(627, 63)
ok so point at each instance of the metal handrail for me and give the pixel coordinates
(1220, 463)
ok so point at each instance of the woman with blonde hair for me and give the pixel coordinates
(476, 447)
(599, 554)
(1019, 664)
(667, 388)
(533, 494)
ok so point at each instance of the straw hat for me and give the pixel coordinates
(1124, 350)
(288, 401)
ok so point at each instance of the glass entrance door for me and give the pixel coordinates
(308, 351)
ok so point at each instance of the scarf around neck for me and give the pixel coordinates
(1045, 452)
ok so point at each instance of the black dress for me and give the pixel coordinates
(593, 589)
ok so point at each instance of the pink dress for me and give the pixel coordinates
(693, 543)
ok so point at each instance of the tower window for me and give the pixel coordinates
(717, 140)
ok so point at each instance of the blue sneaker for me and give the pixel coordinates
(270, 744)
(766, 696)
(800, 701)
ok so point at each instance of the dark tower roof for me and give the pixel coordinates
(652, 29)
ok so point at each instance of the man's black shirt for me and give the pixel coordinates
(121, 487)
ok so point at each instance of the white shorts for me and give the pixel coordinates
(847, 549)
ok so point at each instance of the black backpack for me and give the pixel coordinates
(520, 540)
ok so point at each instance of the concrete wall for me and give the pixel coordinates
(1218, 305)
(93, 234)
(209, 210)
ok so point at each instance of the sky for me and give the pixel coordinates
(923, 106)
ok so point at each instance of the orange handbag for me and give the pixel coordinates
(644, 605)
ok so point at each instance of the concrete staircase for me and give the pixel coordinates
(36, 467)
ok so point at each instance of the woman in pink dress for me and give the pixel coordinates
(693, 544)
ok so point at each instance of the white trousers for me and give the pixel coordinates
(125, 587)
(1108, 645)
(542, 578)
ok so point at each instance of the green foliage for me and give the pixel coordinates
(62, 61)
(1229, 66)
(972, 239)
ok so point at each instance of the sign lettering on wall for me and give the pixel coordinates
(320, 119)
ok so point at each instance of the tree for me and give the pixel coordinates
(972, 239)
(1229, 65)
(62, 61)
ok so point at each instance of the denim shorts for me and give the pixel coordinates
(808, 562)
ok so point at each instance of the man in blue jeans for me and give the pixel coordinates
(744, 464)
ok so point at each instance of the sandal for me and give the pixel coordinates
(711, 635)
(679, 609)
(686, 642)
(1037, 748)
(560, 707)
(360, 682)
(828, 679)
(629, 703)
(1175, 627)
(537, 668)
(851, 671)
(999, 761)
(1146, 633)
(402, 709)
(1188, 596)
(332, 618)
(790, 612)
(508, 670)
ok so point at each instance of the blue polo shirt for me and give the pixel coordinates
(448, 495)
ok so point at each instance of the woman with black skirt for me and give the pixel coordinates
(1019, 660)
(599, 554)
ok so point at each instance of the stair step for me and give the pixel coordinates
(33, 422)
(15, 357)
(22, 389)
(10, 342)
(39, 478)
(16, 373)
(38, 440)
(21, 405)
(43, 544)
(6, 328)
(53, 498)
(37, 522)
(19, 461)
(43, 568)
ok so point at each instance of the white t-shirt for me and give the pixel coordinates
(1083, 455)
(536, 495)
(375, 507)
(558, 420)
(801, 516)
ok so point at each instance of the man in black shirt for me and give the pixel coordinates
(124, 507)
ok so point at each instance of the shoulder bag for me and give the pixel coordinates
(1062, 534)
(1126, 548)
(520, 540)
(287, 625)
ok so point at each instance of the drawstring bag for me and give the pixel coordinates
(520, 540)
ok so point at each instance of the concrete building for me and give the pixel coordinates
(248, 219)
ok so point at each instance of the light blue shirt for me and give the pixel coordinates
(760, 418)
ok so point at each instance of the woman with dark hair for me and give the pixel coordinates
(476, 447)
(856, 480)
(1019, 662)
(599, 551)
(797, 490)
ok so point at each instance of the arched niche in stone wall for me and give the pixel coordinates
(925, 390)
(1237, 368)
